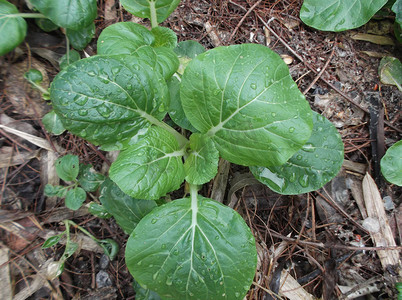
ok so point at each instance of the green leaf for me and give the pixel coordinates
(318, 161)
(339, 15)
(243, 97)
(75, 198)
(196, 249)
(69, 58)
(150, 168)
(127, 211)
(110, 247)
(53, 240)
(397, 9)
(67, 167)
(136, 40)
(391, 164)
(186, 51)
(55, 190)
(89, 179)
(144, 294)
(12, 28)
(52, 123)
(34, 76)
(390, 71)
(164, 37)
(201, 165)
(72, 14)
(142, 8)
(46, 25)
(80, 38)
(176, 111)
(98, 211)
(190, 49)
(109, 99)
(70, 249)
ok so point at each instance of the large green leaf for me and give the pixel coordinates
(202, 162)
(339, 15)
(150, 168)
(73, 14)
(80, 38)
(136, 40)
(193, 249)
(164, 37)
(75, 198)
(144, 8)
(318, 161)
(12, 28)
(108, 99)
(391, 164)
(127, 211)
(397, 9)
(243, 97)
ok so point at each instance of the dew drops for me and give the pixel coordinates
(104, 111)
(292, 177)
(136, 67)
(154, 276)
(303, 180)
(308, 147)
(237, 294)
(83, 112)
(216, 92)
(163, 246)
(169, 281)
(176, 252)
(104, 79)
(273, 114)
(299, 157)
(115, 70)
(91, 73)
(221, 283)
(139, 263)
(217, 237)
(83, 133)
(253, 86)
(161, 108)
(291, 129)
(154, 221)
(129, 87)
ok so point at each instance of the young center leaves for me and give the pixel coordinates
(155, 47)
(156, 10)
(244, 99)
(193, 249)
(11, 26)
(316, 163)
(339, 15)
(107, 100)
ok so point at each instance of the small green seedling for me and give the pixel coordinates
(84, 179)
(109, 246)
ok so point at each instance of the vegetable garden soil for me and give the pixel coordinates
(315, 237)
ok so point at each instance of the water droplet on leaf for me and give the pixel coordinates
(253, 86)
(303, 180)
(291, 129)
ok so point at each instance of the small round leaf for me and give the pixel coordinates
(67, 167)
(75, 198)
(391, 164)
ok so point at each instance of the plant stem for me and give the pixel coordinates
(194, 203)
(25, 15)
(180, 138)
(152, 9)
(82, 229)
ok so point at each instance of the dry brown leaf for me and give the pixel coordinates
(383, 238)
(291, 289)
(5, 280)
(372, 38)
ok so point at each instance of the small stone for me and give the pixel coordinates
(104, 262)
(103, 279)
(371, 224)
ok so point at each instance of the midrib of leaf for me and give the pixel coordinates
(194, 211)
